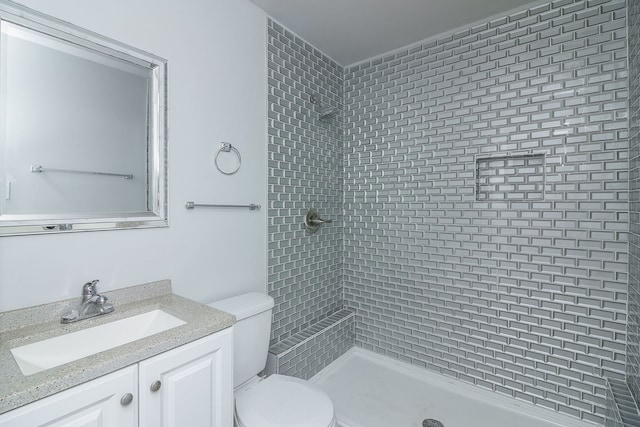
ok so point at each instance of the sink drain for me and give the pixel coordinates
(431, 423)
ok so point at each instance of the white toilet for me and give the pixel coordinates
(277, 400)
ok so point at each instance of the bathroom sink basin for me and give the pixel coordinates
(49, 353)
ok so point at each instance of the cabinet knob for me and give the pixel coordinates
(155, 386)
(126, 399)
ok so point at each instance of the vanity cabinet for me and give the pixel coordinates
(191, 385)
(94, 403)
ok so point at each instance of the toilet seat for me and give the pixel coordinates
(279, 401)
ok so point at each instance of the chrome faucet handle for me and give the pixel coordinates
(89, 288)
(93, 304)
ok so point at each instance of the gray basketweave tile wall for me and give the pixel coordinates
(527, 298)
(305, 164)
(633, 326)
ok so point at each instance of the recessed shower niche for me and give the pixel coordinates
(510, 177)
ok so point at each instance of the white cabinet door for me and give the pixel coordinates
(195, 385)
(96, 403)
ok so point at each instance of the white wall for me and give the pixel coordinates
(217, 92)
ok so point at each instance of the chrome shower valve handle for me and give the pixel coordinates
(312, 221)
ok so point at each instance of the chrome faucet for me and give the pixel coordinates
(93, 304)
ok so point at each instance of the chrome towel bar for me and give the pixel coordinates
(40, 169)
(192, 205)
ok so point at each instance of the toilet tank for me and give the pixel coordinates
(251, 333)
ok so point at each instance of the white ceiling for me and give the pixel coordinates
(351, 31)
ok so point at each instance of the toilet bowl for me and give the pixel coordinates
(277, 400)
(280, 400)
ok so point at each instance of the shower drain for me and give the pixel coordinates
(431, 423)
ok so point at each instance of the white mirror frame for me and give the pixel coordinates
(157, 135)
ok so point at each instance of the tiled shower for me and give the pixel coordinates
(479, 186)
(305, 171)
(633, 325)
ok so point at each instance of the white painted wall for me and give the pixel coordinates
(217, 92)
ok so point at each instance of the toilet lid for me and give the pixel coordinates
(284, 401)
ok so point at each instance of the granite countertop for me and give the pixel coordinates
(25, 326)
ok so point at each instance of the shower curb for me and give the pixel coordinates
(622, 409)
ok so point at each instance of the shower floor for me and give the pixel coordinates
(369, 390)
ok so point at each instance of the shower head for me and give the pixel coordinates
(328, 114)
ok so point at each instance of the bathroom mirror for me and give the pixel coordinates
(82, 129)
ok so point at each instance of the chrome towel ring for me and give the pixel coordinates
(226, 147)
